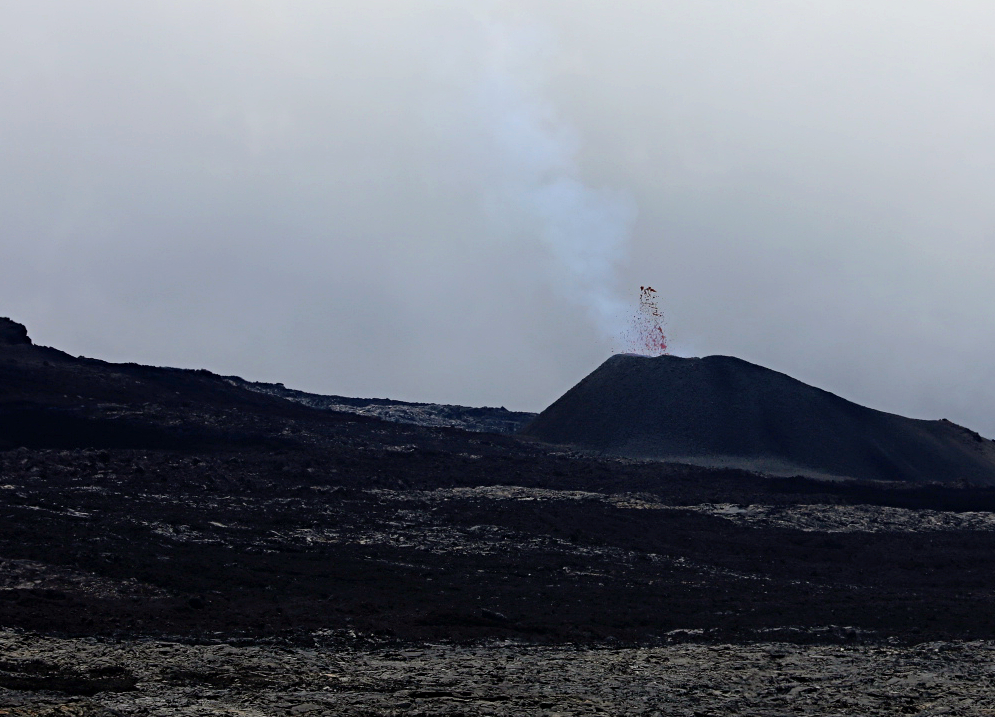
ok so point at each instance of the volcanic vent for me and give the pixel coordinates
(723, 411)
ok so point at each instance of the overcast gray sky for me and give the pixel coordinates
(457, 201)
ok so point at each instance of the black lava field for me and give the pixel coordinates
(145, 502)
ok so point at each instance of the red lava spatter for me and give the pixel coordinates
(647, 336)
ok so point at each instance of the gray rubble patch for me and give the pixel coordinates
(33, 575)
(953, 678)
(810, 518)
(483, 419)
(848, 518)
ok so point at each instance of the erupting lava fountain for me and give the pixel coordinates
(646, 336)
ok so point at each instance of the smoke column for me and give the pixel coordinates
(583, 229)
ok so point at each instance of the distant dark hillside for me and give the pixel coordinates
(485, 419)
(51, 399)
(723, 411)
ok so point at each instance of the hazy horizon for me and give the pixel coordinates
(457, 202)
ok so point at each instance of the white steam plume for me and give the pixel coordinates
(584, 229)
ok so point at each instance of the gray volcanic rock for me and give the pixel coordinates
(506, 679)
(12, 332)
(723, 411)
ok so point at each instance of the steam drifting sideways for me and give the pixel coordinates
(541, 193)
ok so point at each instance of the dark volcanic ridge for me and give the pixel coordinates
(50, 399)
(485, 419)
(13, 333)
(723, 411)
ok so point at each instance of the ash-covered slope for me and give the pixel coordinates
(721, 410)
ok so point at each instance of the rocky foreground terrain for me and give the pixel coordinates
(174, 543)
(153, 677)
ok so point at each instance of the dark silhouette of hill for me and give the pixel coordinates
(13, 333)
(723, 411)
(486, 419)
(50, 399)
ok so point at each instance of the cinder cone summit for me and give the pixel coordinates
(723, 411)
